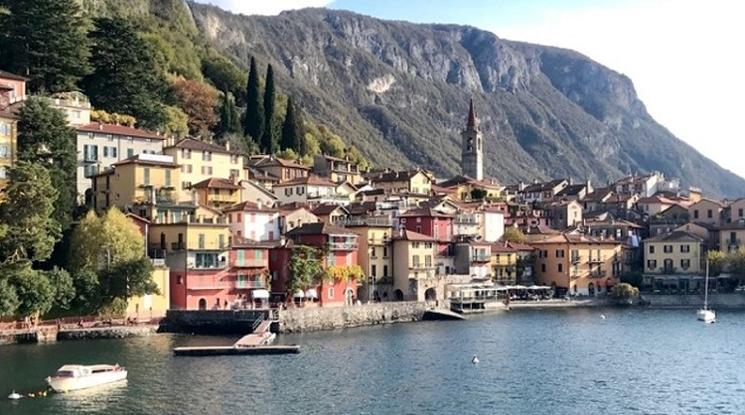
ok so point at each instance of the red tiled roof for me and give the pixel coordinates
(199, 145)
(114, 129)
(425, 212)
(310, 180)
(249, 207)
(273, 161)
(407, 235)
(137, 160)
(8, 75)
(326, 209)
(216, 183)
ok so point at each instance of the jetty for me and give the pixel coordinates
(258, 342)
(437, 314)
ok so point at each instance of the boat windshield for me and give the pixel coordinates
(65, 374)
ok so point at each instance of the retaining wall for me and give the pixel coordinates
(211, 321)
(329, 318)
(694, 301)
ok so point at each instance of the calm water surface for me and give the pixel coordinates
(532, 362)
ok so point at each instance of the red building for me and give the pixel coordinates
(431, 222)
(340, 246)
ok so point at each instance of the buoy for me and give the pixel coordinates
(475, 359)
(15, 396)
(602, 316)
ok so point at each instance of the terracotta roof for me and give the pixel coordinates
(394, 176)
(361, 208)
(311, 180)
(114, 129)
(502, 247)
(294, 206)
(216, 183)
(675, 236)
(276, 161)
(326, 209)
(407, 235)
(574, 239)
(599, 194)
(149, 162)
(258, 174)
(8, 75)
(460, 180)
(198, 145)
(716, 202)
(319, 228)
(426, 212)
(249, 207)
(240, 242)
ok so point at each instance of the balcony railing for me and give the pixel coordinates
(576, 260)
(596, 260)
(252, 262)
(250, 284)
(343, 246)
(178, 246)
(597, 274)
(480, 258)
(217, 265)
(420, 265)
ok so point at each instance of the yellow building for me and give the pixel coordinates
(200, 160)
(8, 140)
(466, 188)
(153, 305)
(394, 182)
(143, 179)
(578, 265)
(677, 252)
(216, 192)
(504, 264)
(414, 265)
(336, 169)
(375, 255)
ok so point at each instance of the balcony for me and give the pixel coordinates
(422, 266)
(378, 241)
(178, 246)
(422, 275)
(480, 258)
(192, 265)
(466, 220)
(597, 260)
(343, 246)
(576, 260)
(252, 263)
(250, 284)
(597, 274)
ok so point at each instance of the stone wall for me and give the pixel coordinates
(211, 321)
(116, 332)
(694, 301)
(329, 318)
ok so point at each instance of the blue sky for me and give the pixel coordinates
(684, 56)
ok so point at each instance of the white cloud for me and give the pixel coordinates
(684, 56)
(265, 7)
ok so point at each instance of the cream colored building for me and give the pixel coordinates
(732, 237)
(706, 210)
(414, 266)
(736, 210)
(200, 160)
(394, 182)
(151, 306)
(677, 252)
(375, 256)
(578, 265)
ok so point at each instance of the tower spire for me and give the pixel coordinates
(471, 122)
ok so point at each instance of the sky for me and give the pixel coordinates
(682, 55)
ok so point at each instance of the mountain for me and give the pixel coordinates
(399, 92)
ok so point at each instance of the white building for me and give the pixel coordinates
(253, 222)
(493, 228)
(306, 189)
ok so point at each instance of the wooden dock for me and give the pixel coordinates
(236, 350)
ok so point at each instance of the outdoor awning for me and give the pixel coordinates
(311, 293)
(298, 294)
(260, 294)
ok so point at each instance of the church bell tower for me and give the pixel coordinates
(472, 147)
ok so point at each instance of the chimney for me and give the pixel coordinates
(227, 145)
(100, 126)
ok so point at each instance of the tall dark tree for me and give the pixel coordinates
(253, 123)
(45, 138)
(125, 78)
(229, 119)
(292, 128)
(268, 139)
(44, 40)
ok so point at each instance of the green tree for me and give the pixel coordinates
(125, 78)
(253, 123)
(306, 268)
(128, 279)
(26, 213)
(35, 293)
(736, 263)
(8, 298)
(224, 75)
(63, 286)
(45, 41)
(101, 242)
(45, 138)
(177, 122)
(87, 291)
(512, 234)
(268, 139)
(230, 122)
(717, 262)
(624, 292)
(292, 128)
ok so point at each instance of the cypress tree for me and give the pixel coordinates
(292, 130)
(268, 139)
(44, 40)
(253, 124)
(229, 118)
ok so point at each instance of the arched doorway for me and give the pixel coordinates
(430, 294)
(202, 304)
(591, 289)
(398, 295)
(348, 296)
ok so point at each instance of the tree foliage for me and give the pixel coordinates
(292, 128)
(306, 268)
(268, 136)
(45, 41)
(198, 101)
(127, 279)
(624, 291)
(253, 122)
(45, 138)
(26, 213)
(35, 292)
(224, 76)
(125, 77)
(8, 298)
(63, 287)
(230, 122)
(512, 234)
(717, 261)
(177, 122)
(100, 242)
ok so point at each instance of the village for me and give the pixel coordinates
(222, 228)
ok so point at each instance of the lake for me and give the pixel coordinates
(568, 361)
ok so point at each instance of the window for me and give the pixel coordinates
(240, 257)
(146, 172)
(418, 228)
(428, 261)
(651, 264)
(373, 271)
(3, 172)
(668, 249)
(90, 152)
(543, 267)
(201, 241)
(222, 240)
(238, 217)
(709, 214)
(186, 153)
(105, 151)
(561, 268)
(235, 173)
(373, 254)
(559, 253)
(207, 260)
(385, 270)
(415, 260)
(739, 212)
(685, 248)
(385, 252)
(695, 214)
(206, 156)
(168, 178)
(234, 159)
(130, 152)
(206, 170)
(179, 280)
(331, 293)
(651, 249)
(685, 263)
(185, 185)
(4, 150)
(5, 128)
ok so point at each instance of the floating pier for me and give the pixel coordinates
(442, 314)
(236, 350)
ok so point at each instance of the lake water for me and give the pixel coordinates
(532, 362)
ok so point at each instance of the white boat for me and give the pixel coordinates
(75, 377)
(704, 314)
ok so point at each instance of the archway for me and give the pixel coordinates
(202, 304)
(591, 289)
(348, 296)
(430, 294)
(398, 295)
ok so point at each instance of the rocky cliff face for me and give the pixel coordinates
(399, 92)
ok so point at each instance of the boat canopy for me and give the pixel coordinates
(311, 293)
(260, 294)
(299, 294)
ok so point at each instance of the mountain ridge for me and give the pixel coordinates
(399, 91)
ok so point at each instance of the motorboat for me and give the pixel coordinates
(75, 377)
(15, 396)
